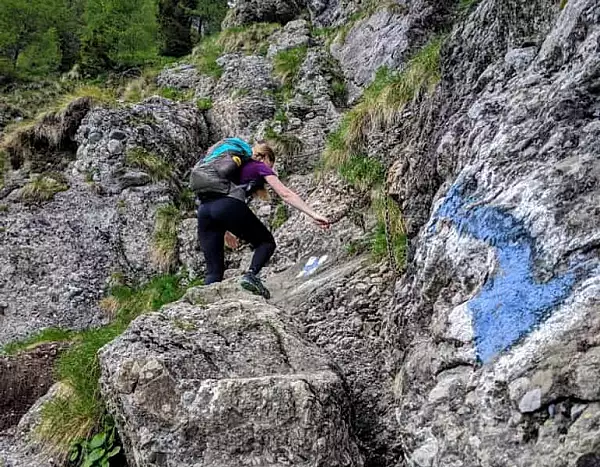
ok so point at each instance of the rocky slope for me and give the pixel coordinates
(482, 352)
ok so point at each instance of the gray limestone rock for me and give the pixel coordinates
(262, 11)
(56, 257)
(226, 383)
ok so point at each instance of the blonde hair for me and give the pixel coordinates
(262, 150)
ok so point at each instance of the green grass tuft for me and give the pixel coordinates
(164, 240)
(154, 166)
(204, 103)
(563, 4)
(389, 237)
(362, 172)
(176, 94)
(43, 188)
(205, 57)
(287, 63)
(280, 217)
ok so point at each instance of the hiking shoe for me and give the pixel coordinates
(253, 284)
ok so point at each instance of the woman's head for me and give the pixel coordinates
(263, 152)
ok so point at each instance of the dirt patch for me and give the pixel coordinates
(24, 378)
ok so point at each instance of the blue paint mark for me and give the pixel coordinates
(511, 302)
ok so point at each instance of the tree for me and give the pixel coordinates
(182, 21)
(175, 26)
(118, 34)
(25, 22)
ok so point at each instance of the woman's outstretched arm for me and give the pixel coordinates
(295, 201)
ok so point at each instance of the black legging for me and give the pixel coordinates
(217, 216)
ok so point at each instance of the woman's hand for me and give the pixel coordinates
(231, 240)
(321, 221)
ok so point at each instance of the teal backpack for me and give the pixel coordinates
(217, 174)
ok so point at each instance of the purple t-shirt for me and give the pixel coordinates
(255, 171)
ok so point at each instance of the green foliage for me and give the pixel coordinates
(164, 240)
(157, 168)
(362, 172)
(43, 56)
(465, 5)
(205, 57)
(140, 88)
(563, 4)
(281, 215)
(211, 14)
(42, 337)
(43, 188)
(287, 63)
(356, 247)
(118, 34)
(29, 25)
(174, 21)
(250, 39)
(382, 102)
(97, 451)
(186, 200)
(176, 94)
(204, 103)
(79, 414)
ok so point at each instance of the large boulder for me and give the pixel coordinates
(57, 256)
(225, 383)
(498, 318)
(262, 11)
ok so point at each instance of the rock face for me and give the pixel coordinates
(225, 383)
(386, 39)
(498, 315)
(57, 257)
(262, 11)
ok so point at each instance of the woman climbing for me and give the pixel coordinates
(224, 181)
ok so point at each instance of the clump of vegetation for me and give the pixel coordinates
(70, 421)
(389, 237)
(43, 188)
(383, 100)
(100, 450)
(157, 168)
(205, 57)
(362, 172)
(281, 215)
(176, 94)
(287, 63)
(140, 88)
(164, 241)
(563, 4)
(204, 103)
(250, 39)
